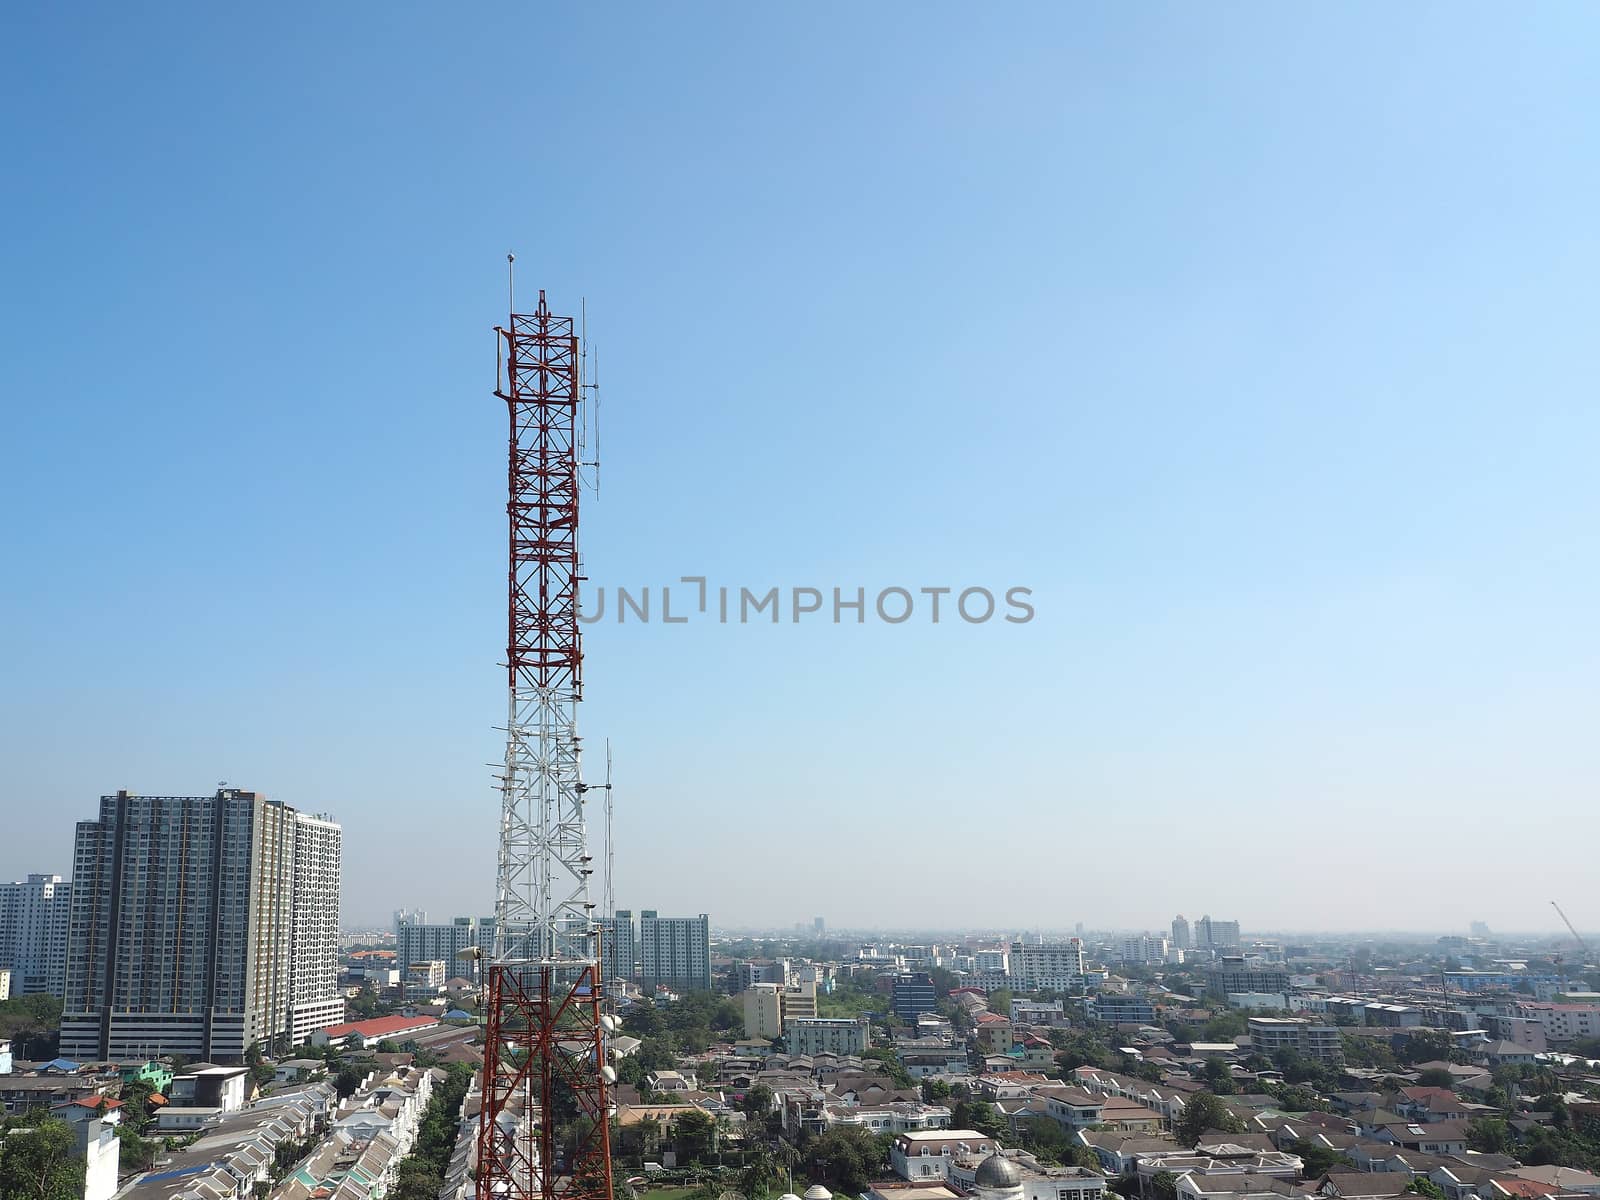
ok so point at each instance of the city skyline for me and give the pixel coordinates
(1253, 342)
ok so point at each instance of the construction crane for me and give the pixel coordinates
(1588, 955)
(544, 1128)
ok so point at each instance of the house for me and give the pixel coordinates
(1440, 1137)
(1120, 1153)
(1240, 1166)
(1564, 1180)
(360, 1034)
(23, 1093)
(1364, 1185)
(993, 1032)
(927, 1156)
(225, 1089)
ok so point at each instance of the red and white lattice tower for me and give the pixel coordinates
(543, 1129)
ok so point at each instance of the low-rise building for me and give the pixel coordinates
(925, 1156)
(1300, 1034)
(828, 1035)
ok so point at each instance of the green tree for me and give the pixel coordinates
(416, 1179)
(889, 1063)
(1423, 1186)
(1164, 1185)
(1436, 1077)
(978, 1115)
(1425, 1046)
(1219, 1078)
(136, 1153)
(1201, 1112)
(694, 1133)
(1489, 1136)
(1224, 1027)
(41, 1163)
(1047, 1140)
(757, 1101)
(348, 1080)
(1317, 1160)
(847, 1159)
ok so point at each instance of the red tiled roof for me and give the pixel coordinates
(380, 1027)
(1524, 1187)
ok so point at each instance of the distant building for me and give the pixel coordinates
(1216, 935)
(1046, 967)
(1121, 1010)
(201, 925)
(1036, 1012)
(34, 914)
(1180, 933)
(675, 951)
(828, 1035)
(619, 946)
(1144, 949)
(419, 941)
(425, 979)
(912, 994)
(763, 1011)
(1312, 1039)
(1234, 973)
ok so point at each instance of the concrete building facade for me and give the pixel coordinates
(828, 1035)
(675, 951)
(34, 914)
(200, 925)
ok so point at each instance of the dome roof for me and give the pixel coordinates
(788, 1196)
(817, 1192)
(998, 1173)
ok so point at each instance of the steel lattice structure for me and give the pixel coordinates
(544, 1047)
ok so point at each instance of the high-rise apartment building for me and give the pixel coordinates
(675, 951)
(1216, 935)
(1180, 933)
(33, 933)
(619, 946)
(419, 941)
(1050, 967)
(200, 925)
(1144, 949)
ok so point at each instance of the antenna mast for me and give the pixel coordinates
(544, 1043)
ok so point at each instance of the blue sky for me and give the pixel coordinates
(1256, 340)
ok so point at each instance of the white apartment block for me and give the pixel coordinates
(1564, 1022)
(1144, 949)
(995, 962)
(828, 1035)
(1054, 967)
(34, 914)
(315, 1001)
(418, 941)
(675, 951)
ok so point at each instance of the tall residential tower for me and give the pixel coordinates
(33, 933)
(201, 925)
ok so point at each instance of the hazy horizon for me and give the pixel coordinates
(1256, 342)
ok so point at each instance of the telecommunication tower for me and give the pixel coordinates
(544, 1125)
